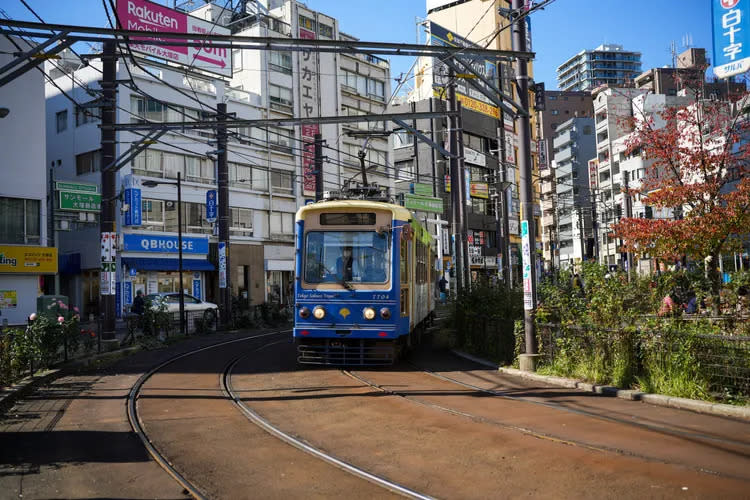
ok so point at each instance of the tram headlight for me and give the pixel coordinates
(304, 313)
(385, 313)
(319, 312)
(368, 313)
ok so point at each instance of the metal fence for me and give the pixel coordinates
(721, 361)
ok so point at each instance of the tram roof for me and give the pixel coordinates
(399, 212)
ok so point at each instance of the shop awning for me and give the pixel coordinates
(151, 264)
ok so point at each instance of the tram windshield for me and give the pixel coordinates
(346, 257)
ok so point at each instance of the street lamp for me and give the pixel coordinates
(151, 183)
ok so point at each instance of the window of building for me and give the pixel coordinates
(554, 112)
(280, 97)
(307, 23)
(282, 223)
(325, 31)
(61, 118)
(402, 139)
(280, 138)
(280, 61)
(240, 221)
(87, 115)
(281, 182)
(20, 221)
(236, 61)
(88, 162)
(152, 212)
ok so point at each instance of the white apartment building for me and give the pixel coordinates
(612, 108)
(261, 170)
(28, 259)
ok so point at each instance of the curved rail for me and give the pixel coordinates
(264, 424)
(137, 425)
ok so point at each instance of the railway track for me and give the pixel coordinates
(225, 381)
(687, 435)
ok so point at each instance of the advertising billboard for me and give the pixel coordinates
(142, 15)
(731, 37)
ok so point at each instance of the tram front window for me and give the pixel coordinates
(346, 257)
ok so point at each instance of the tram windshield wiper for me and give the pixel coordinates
(340, 281)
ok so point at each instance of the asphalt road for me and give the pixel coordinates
(443, 437)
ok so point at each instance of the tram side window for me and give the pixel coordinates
(404, 262)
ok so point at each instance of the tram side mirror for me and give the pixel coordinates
(384, 231)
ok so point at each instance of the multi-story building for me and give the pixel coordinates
(608, 64)
(28, 257)
(574, 145)
(270, 169)
(689, 74)
(612, 109)
(559, 107)
(475, 21)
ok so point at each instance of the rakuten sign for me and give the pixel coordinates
(142, 15)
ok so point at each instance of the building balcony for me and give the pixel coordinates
(565, 155)
(564, 138)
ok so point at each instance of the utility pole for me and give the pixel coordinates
(500, 187)
(595, 224)
(628, 213)
(225, 275)
(107, 223)
(528, 244)
(318, 163)
(455, 185)
(464, 199)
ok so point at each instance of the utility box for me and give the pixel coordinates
(49, 305)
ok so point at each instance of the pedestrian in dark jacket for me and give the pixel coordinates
(139, 304)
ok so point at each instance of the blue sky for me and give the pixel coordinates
(559, 31)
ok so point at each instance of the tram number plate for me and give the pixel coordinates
(343, 332)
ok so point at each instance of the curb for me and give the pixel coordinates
(719, 409)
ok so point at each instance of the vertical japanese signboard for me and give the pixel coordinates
(108, 273)
(309, 105)
(731, 36)
(141, 15)
(222, 264)
(528, 302)
(212, 207)
(132, 195)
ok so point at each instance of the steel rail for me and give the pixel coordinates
(226, 382)
(137, 425)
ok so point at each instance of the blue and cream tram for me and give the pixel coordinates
(364, 283)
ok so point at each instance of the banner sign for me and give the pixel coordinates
(480, 190)
(197, 289)
(474, 157)
(310, 107)
(211, 205)
(468, 96)
(142, 15)
(731, 37)
(8, 299)
(22, 259)
(80, 202)
(108, 271)
(222, 264)
(76, 186)
(164, 244)
(132, 196)
(421, 189)
(526, 262)
(423, 203)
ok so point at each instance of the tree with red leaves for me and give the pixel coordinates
(697, 160)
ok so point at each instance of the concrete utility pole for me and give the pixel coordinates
(628, 213)
(464, 199)
(107, 223)
(501, 215)
(456, 219)
(528, 243)
(222, 174)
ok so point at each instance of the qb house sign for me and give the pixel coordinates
(163, 244)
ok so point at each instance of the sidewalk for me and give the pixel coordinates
(70, 437)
